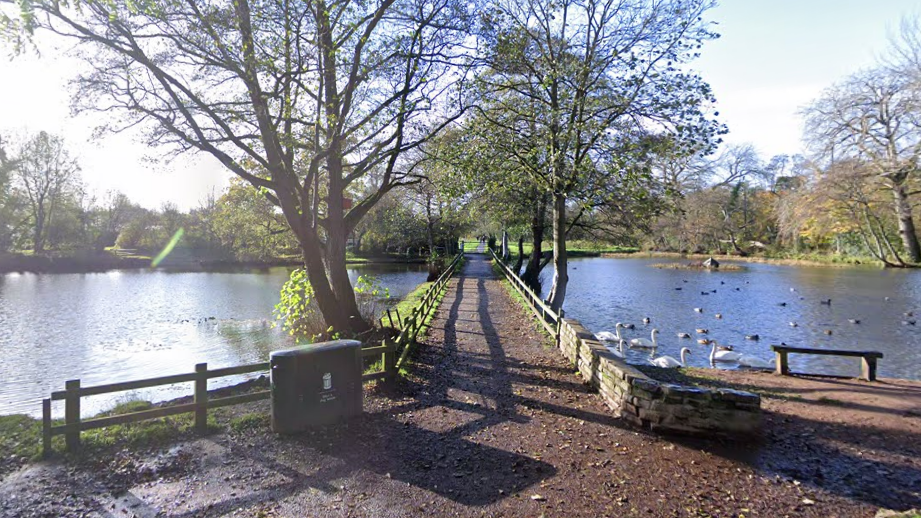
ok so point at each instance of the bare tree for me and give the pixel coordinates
(43, 171)
(303, 100)
(874, 117)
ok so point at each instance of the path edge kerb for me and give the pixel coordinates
(650, 404)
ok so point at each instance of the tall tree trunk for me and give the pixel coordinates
(561, 273)
(430, 226)
(531, 275)
(520, 260)
(906, 223)
(38, 239)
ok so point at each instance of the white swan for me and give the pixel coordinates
(607, 336)
(644, 343)
(619, 350)
(667, 362)
(722, 356)
(755, 363)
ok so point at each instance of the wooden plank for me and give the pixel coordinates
(201, 398)
(827, 352)
(72, 414)
(242, 369)
(240, 399)
(46, 427)
(124, 418)
(868, 368)
(782, 365)
(129, 385)
(371, 351)
(374, 376)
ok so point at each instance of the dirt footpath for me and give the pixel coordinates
(492, 421)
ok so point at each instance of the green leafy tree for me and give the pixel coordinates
(45, 173)
(304, 100)
(250, 226)
(590, 82)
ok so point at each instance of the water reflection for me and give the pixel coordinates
(762, 299)
(124, 325)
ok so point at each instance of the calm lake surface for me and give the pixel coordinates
(133, 324)
(604, 291)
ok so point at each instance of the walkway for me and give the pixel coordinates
(491, 421)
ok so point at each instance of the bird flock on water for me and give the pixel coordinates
(719, 354)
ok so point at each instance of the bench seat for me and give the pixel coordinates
(867, 366)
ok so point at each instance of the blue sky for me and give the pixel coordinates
(772, 59)
(775, 56)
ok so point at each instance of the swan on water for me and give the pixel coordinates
(684, 335)
(619, 350)
(754, 362)
(645, 343)
(667, 362)
(722, 356)
(607, 336)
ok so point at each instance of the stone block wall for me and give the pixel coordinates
(655, 405)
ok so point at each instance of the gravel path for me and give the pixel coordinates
(491, 421)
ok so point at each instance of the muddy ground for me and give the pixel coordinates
(492, 421)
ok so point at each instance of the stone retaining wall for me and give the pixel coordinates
(655, 405)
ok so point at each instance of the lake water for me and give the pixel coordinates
(604, 291)
(133, 324)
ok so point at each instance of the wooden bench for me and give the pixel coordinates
(867, 366)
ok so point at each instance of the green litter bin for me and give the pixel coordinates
(315, 384)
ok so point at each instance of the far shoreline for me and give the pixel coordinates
(858, 263)
(105, 262)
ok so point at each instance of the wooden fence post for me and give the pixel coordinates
(390, 360)
(201, 397)
(389, 317)
(46, 427)
(72, 415)
(559, 328)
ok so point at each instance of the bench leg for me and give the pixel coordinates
(868, 368)
(782, 367)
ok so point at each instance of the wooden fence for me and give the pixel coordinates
(413, 324)
(73, 391)
(551, 320)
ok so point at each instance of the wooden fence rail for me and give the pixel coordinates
(413, 324)
(74, 391)
(550, 319)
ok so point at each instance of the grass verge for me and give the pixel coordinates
(519, 299)
(413, 301)
(20, 436)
